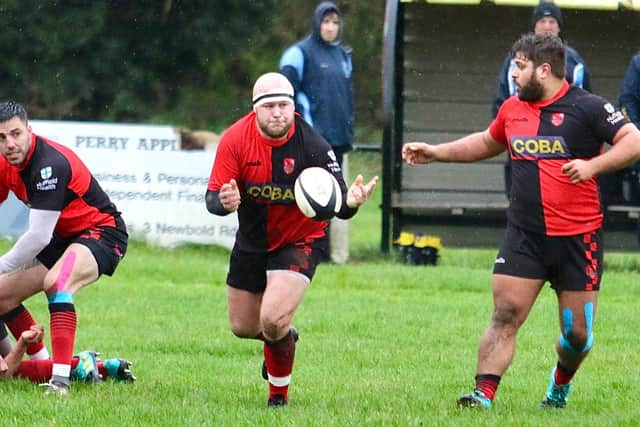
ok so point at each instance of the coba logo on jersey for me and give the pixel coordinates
(539, 147)
(289, 165)
(270, 192)
(557, 119)
(47, 183)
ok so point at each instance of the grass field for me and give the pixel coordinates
(382, 344)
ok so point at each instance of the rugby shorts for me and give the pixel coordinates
(248, 270)
(107, 244)
(568, 262)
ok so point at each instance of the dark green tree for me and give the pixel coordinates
(186, 63)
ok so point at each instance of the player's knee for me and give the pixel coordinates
(242, 330)
(273, 324)
(577, 342)
(577, 339)
(505, 315)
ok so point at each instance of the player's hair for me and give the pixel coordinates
(542, 49)
(11, 109)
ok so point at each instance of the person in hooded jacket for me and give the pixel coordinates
(319, 67)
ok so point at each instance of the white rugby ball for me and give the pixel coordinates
(317, 193)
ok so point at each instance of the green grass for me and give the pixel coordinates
(382, 344)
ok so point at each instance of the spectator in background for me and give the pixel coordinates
(629, 101)
(319, 67)
(629, 98)
(546, 19)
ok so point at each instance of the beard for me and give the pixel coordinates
(532, 91)
(274, 132)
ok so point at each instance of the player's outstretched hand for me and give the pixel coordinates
(414, 153)
(359, 193)
(230, 195)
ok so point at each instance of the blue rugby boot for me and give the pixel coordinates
(476, 399)
(87, 368)
(557, 395)
(119, 370)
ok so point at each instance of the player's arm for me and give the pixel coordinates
(223, 195)
(471, 148)
(225, 200)
(625, 151)
(11, 363)
(36, 238)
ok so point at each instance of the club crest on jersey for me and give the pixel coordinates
(289, 165)
(557, 119)
(45, 173)
(538, 147)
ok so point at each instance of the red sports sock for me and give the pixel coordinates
(63, 331)
(487, 384)
(563, 375)
(279, 358)
(19, 320)
(103, 372)
(39, 371)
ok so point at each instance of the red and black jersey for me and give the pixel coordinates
(265, 171)
(543, 136)
(54, 178)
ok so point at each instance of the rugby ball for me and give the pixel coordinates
(317, 193)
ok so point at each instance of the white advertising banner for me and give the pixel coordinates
(158, 188)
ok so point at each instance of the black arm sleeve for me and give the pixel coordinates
(213, 203)
(346, 212)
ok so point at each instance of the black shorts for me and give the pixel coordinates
(107, 244)
(248, 270)
(572, 263)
